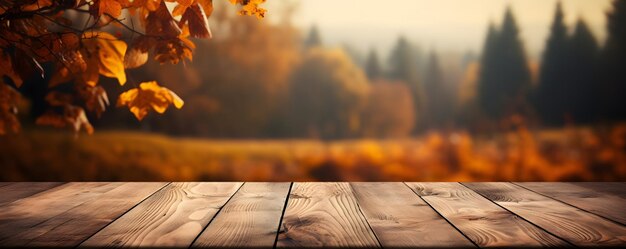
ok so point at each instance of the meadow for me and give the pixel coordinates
(569, 154)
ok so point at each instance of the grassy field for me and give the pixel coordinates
(566, 154)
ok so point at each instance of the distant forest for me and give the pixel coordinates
(269, 80)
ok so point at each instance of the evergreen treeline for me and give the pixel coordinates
(568, 90)
(504, 78)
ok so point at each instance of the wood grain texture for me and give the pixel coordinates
(609, 206)
(484, 222)
(21, 215)
(250, 219)
(324, 214)
(72, 227)
(400, 218)
(612, 188)
(10, 192)
(572, 224)
(172, 217)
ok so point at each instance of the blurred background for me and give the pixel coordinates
(364, 90)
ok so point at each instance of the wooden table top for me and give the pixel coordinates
(312, 214)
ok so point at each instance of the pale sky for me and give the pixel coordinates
(445, 25)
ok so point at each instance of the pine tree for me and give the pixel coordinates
(581, 89)
(314, 38)
(505, 77)
(372, 66)
(438, 99)
(402, 62)
(613, 61)
(549, 97)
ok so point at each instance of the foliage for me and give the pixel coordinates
(239, 86)
(389, 111)
(37, 33)
(327, 94)
(571, 154)
(504, 77)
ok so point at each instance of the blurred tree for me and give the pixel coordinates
(372, 66)
(238, 84)
(327, 95)
(549, 97)
(583, 90)
(613, 61)
(438, 106)
(389, 111)
(403, 68)
(504, 76)
(313, 39)
(355, 54)
(402, 61)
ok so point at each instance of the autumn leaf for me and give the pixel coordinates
(96, 99)
(134, 58)
(197, 22)
(6, 69)
(207, 6)
(38, 32)
(110, 7)
(150, 5)
(161, 23)
(110, 55)
(148, 96)
(251, 7)
(69, 116)
(8, 109)
(74, 64)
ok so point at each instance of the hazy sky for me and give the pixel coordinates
(452, 25)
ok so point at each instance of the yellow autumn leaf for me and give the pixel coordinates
(110, 53)
(148, 96)
(110, 7)
(207, 5)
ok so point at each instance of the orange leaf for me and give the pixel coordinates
(148, 96)
(110, 52)
(196, 19)
(135, 58)
(6, 68)
(8, 109)
(70, 115)
(110, 7)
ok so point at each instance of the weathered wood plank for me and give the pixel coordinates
(400, 218)
(612, 188)
(606, 205)
(25, 213)
(75, 225)
(572, 224)
(250, 219)
(484, 222)
(324, 214)
(10, 192)
(172, 217)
